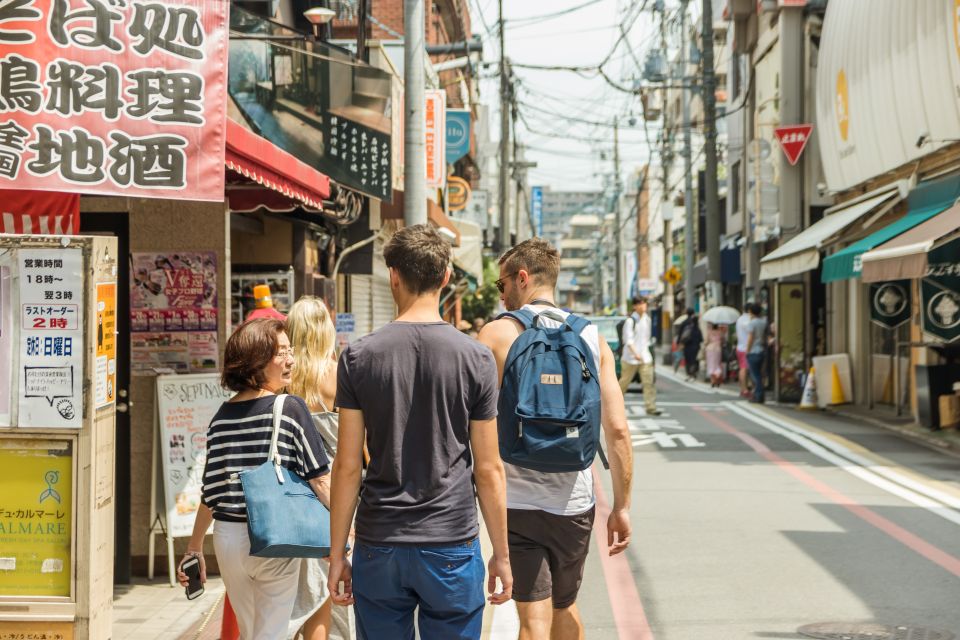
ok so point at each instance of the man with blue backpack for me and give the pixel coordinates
(558, 385)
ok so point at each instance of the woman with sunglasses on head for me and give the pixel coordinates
(258, 365)
(315, 380)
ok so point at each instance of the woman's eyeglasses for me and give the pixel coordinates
(501, 282)
(283, 354)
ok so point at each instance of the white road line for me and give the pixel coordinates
(803, 438)
(881, 470)
(670, 375)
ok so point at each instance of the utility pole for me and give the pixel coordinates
(362, 12)
(714, 286)
(666, 159)
(414, 104)
(504, 239)
(617, 214)
(688, 235)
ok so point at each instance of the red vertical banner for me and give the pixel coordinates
(114, 97)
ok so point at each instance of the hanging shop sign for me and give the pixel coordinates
(890, 303)
(458, 193)
(458, 134)
(793, 140)
(536, 209)
(51, 337)
(940, 293)
(435, 138)
(173, 312)
(36, 518)
(363, 154)
(118, 98)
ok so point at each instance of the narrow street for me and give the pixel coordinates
(751, 522)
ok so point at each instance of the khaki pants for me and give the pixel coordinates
(627, 371)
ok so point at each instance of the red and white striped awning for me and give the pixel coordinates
(39, 212)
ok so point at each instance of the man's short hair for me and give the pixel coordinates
(421, 257)
(756, 309)
(638, 300)
(537, 257)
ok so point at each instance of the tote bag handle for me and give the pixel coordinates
(274, 455)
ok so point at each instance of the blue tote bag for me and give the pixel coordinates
(285, 518)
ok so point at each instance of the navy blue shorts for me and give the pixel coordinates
(446, 582)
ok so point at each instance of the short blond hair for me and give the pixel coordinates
(537, 257)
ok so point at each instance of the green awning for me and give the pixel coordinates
(924, 202)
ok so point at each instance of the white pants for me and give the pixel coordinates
(261, 590)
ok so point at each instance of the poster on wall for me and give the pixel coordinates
(114, 98)
(105, 383)
(36, 513)
(173, 312)
(51, 338)
(185, 406)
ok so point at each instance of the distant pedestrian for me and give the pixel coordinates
(690, 339)
(716, 339)
(314, 340)
(637, 354)
(743, 333)
(756, 350)
(550, 515)
(257, 364)
(424, 397)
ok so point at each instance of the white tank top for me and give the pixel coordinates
(562, 494)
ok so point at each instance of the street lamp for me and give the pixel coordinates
(319, 16)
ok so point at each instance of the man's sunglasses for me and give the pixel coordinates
(500, 283)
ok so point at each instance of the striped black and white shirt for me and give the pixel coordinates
(238, 439)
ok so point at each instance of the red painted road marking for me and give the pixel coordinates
(930, 552)
(625, 601)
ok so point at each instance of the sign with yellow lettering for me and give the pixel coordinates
(36, 505)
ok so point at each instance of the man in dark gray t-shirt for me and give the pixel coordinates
(418, 384)
(423, 397)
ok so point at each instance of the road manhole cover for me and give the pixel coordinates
(860, 631)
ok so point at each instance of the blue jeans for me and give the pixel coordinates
(755, 363)
(446, 582)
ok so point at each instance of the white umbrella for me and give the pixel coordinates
(721, 315)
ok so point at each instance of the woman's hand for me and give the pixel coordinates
(182, 577)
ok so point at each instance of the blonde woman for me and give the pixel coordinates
(314, 378)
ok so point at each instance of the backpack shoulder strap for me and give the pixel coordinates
(577, 323)
(523, 316)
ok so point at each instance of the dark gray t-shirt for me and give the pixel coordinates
(418, 385)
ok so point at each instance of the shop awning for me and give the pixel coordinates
(39, 212)
(905, 256)
(802, 252)
(469, 255)
(261, 161)
(925, 201)
(699, 272)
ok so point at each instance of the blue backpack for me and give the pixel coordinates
(549, 409)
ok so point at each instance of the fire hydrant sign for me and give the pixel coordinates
(51, 338)
(116, 97)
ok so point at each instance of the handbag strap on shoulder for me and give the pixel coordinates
(273, 455)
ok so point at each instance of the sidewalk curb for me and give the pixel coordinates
(930, 441)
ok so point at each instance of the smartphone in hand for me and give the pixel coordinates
(194, 588)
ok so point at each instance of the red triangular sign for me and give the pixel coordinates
(793, 140)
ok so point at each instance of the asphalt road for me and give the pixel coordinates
(752, 522)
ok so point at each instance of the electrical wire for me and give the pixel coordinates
(537, 19)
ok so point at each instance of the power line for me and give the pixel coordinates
(550, 16)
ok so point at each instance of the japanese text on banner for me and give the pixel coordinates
(123, 97)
